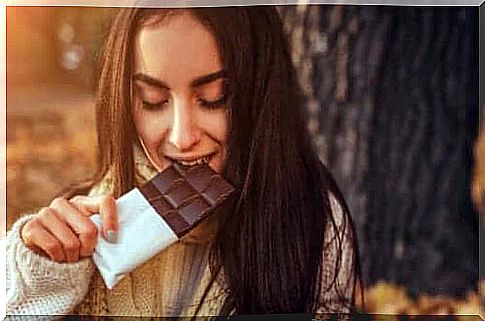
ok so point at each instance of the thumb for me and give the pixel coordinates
(105, 205)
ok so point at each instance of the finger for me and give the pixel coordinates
(60, 230)
(79, 201)
(81, 225)
(26, 235)
(46, 242)
(105, 205)
(109, 215)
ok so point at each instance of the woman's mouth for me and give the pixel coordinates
(198, 161)
(192, 161)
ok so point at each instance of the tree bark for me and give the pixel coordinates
(393, 107)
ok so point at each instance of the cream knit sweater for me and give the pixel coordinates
(170, 284)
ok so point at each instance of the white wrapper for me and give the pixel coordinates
(142, 234)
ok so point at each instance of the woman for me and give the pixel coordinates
(212, 85)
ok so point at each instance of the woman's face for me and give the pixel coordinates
(179, 99)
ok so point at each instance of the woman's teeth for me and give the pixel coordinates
(198, 161)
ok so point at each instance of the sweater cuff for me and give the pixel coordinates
(28, 260)
(37, 285)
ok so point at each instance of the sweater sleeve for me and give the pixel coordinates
(338, 262)
(37, 285)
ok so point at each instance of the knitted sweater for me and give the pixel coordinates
(170, 284)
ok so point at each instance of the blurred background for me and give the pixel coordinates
(393, 108)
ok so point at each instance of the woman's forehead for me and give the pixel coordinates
(180, 45)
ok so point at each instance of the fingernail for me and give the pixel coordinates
(111, 236)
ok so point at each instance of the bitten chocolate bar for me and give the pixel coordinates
(184, 196)
(158, 214)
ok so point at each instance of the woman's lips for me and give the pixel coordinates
(192, 160)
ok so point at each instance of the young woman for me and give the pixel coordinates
(212, 85)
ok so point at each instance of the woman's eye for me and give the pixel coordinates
(212, 104)
(213, 95)
(153, 106)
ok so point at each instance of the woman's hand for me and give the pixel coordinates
(64, 232)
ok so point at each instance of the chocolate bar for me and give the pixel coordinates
(184, 196)
(156, 215)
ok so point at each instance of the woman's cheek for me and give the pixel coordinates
(151, 127)
(217, 125)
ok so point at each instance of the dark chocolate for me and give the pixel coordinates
(184, 196)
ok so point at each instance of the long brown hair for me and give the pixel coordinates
(270, 241)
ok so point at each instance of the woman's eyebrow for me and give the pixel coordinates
(207, 78)
(150, 80)
(199, 81)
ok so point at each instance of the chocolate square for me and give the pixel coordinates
(190, 212)
(179, 193)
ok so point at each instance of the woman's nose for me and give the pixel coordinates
(184, 132)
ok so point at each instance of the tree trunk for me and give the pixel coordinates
(393, 107)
